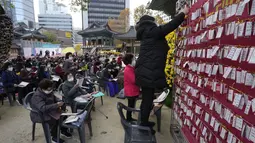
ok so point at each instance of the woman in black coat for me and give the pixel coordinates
(149, 69)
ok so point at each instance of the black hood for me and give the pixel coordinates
(145, 22)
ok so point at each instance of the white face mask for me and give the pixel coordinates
(70, 79)
(48, 66)
(28, 69)
(10, 69)
(47, 91)
(61, 65)
(70, 58)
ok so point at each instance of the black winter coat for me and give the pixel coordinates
(149, 69)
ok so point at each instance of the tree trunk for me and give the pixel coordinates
(6, 31)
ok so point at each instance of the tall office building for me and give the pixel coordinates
(100, 11)
(23, 11)
(52, 7)
(56, 21)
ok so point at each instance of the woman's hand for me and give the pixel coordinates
(185, 10)
(60, 104)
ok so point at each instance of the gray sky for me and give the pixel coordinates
(77, 22)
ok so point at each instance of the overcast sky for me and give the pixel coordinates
(77, 22)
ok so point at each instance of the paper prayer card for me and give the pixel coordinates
(241, 29)
(240, 8)
(252, 8)
(219, 32)
(248, 29)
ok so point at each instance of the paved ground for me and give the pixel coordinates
(16, 127)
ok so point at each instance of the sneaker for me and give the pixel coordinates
(66, 134)
(54, 140)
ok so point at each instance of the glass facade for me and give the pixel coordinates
(61, 22)
(24, 10)
(100, 11)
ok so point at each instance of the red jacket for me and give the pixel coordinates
(130, 88)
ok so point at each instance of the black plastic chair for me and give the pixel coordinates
(133, 132)
(102, 82)
(45, 125)
(84, 116)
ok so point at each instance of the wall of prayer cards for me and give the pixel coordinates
(215, 66)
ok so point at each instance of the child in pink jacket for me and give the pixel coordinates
(131, 90)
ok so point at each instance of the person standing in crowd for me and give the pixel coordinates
(131, 90)
(111, 84)
(68, 64)
(50, 106)
(10, 81)
(149, 69)
(19, 64)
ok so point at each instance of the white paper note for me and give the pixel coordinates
(238, 77)
(226, 74)
(241, 29)
(223, 133)
(230, 137)
(216, 126)
(207, 117)
(252, 8)
(212, 122)
(204, 131)
(240, 9)
(230, 95)
(248, 29)
(247, 108)
(236, 54)
(239, 123)
(252, 134)
(249, 79)
(219, 32)
(237, 99)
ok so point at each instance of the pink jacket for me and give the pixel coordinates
(130, 88)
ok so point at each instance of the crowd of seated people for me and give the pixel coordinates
(35, 69)
(38, 73)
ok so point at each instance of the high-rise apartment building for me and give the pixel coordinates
(100, 11)
(23, 11)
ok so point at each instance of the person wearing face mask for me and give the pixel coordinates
(71, 90)
(50, 106)
(68, 64)
(131, 90)
(149, 69)
(10, 80)
(59, 70)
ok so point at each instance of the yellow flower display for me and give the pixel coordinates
(169, 69)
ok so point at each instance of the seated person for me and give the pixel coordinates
(71, 90)
(50, 106)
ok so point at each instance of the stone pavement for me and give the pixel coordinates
(16, 127)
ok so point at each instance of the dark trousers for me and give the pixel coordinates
(54, 127)
(146, 105)
(131, 104)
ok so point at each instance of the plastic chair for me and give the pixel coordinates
(84, 115)
(133, 131)
(45, 125)
(102, 82)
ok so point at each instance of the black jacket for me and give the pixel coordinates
(149, 69)
(46, 104)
